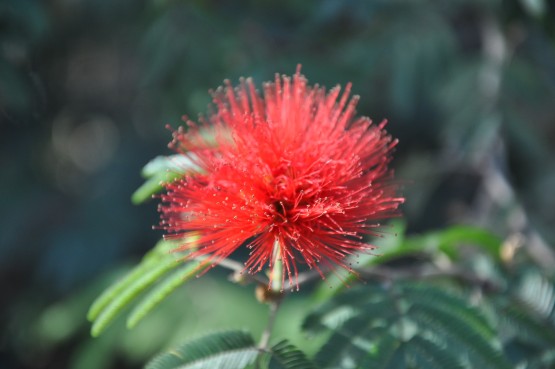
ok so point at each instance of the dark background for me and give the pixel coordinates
(87, 86)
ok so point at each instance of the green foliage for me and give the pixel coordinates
(158, 171)
(224, 350)
(432, 245)
(154, 267)
(446, 242)
(161, 291)
(423, 324)
(286, 356)
(391, 324)
(526, 318)
(230, 350)
(405, 325)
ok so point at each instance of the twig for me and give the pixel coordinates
(265, 337)
(238, 268)
(381, 272)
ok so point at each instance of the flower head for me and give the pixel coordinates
(291, 174)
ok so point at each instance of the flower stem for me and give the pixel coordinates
(276, 274)
(265, 337)
(276, 287)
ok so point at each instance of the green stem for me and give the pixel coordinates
(276, 286)
(265, 338)
(277, 268)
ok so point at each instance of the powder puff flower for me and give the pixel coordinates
(291, 174)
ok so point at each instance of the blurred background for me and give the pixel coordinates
(87, 86)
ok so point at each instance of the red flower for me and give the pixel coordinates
(292, 168)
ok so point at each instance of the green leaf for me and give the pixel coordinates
(353, 342)
(446, 242)
(401, 324)
(163, 290)
(341, 309)
(160, 170)
(127, 295)
(154, 267)
(526, 311)
(155, 264)
(223, 350)
(438, 300)
(449, 240)
(482, 351)
(287, 356)
(385, 354)
(152, 186)
(149, 261)
(537, 293)
(525, 325)
(162, 164)
(427, 354)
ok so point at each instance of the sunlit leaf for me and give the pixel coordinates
(160, 170)
(223, 350)
(163, 290)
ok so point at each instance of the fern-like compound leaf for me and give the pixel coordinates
(222, 350)
(286, 356)
(162, 290)
(405, 325)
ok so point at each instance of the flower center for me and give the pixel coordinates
(280, 209)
